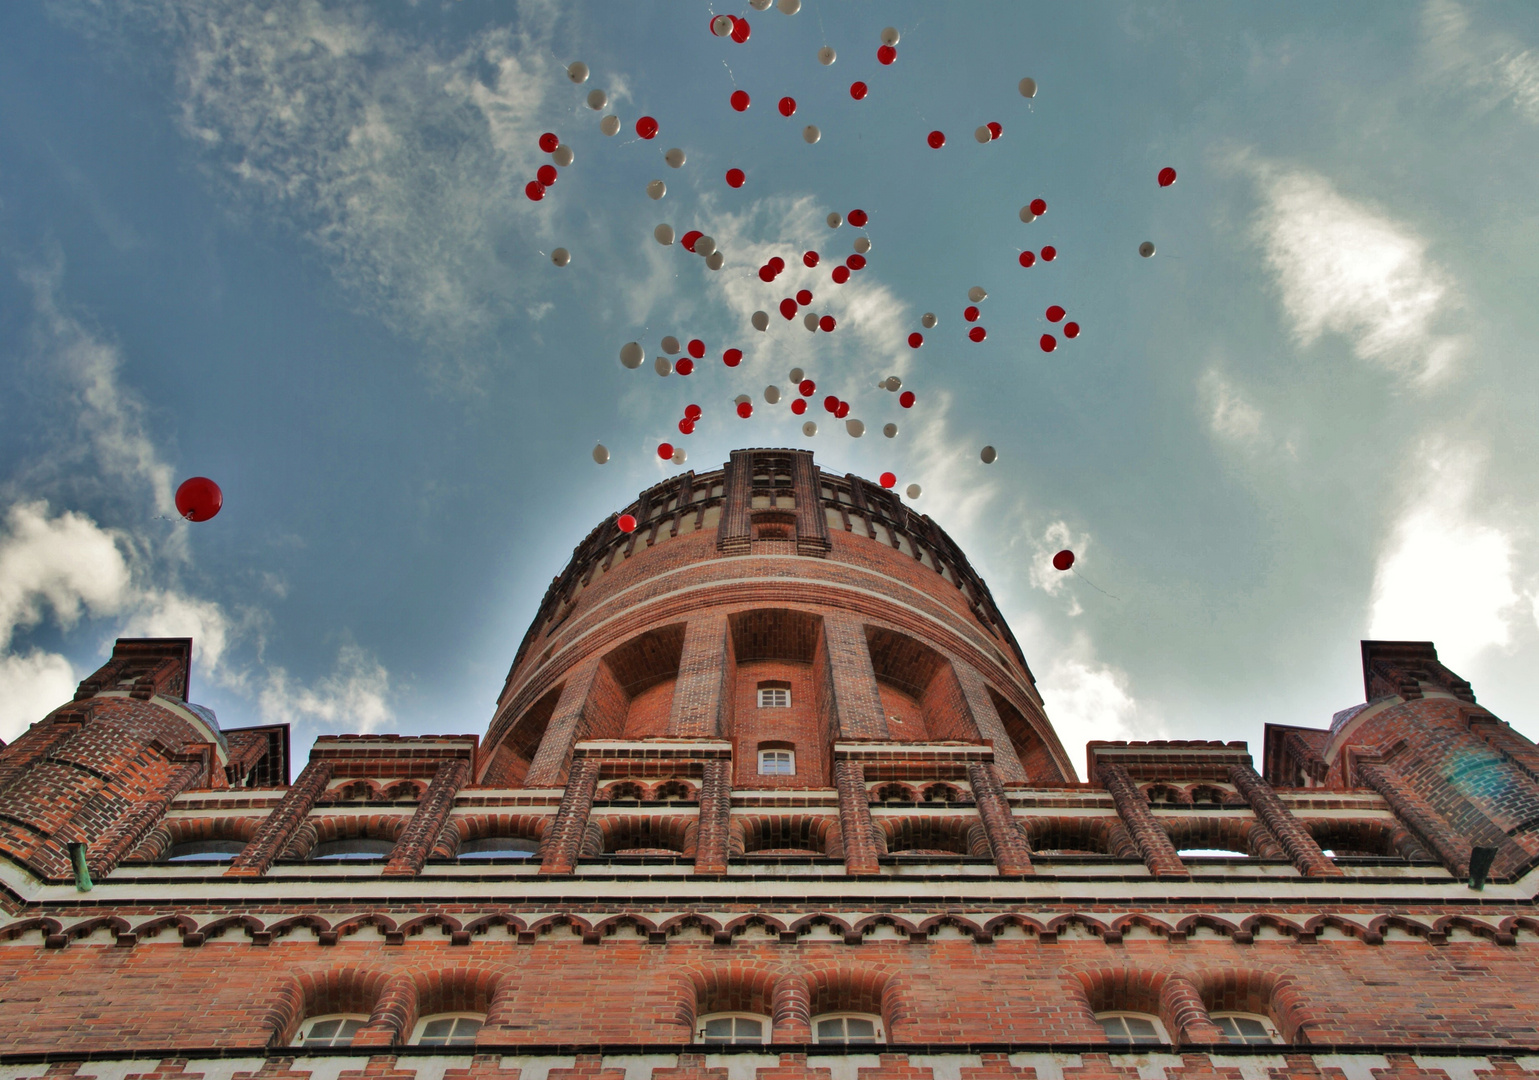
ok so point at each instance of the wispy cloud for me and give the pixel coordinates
(1494, 67)
(1089, 700)
(1231, 416)
(355, 697)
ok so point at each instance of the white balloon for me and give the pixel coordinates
(890, 36)
(671, 345)
(610, 125)
(597, 99)
(862, 244)
(1027, 216)
(760, 5)
(663, 234)
(1146, 248)
(631, 354)
(562, 155)
(656, 190)
(811, 134)
(890, 430)
(772, 394)
(577, 71)
(661, 365)
(977, 294)
(715, 260)
(789, 7)
(721, 26)
(983, 134)
(705, 245)
(913, 491)
(679, 456)
(856, 428)
(760, 320)
(835, 220)
(810, 320)
(600, 454)
(561, 256)
(797, 375)
(893, 383)
(928, 320)
(826, 55)
(809, 429)
(988, 455)
(1028, 87)
(674, 158)
(740, 399)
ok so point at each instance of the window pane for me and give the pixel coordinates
(1140, 1029)
(860, 1030)
(831, 1030)
(437, 1029)
(749, 1030)
(324, 1029)
(718, 1030)
(1115, 1029)
(465, 1030)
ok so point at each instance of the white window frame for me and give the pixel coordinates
(1162, 1035)
(1273, 1036)
(774, 697)
(418, 1031)
(766, 1024)
(774, 758)
(876, 1023)
(309, 1023)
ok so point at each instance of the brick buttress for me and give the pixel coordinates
(422, 832)
(1290, 833)
(1153, 842)
(273, 835)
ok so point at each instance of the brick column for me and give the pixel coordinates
(126, 833)
(1452, 850)
(1182, 1008)
(422, 831)
(273, 835)
(975, 693)
(700, 693)
(1012, 855)
(1290, 833)
(563, 840)
(711, 841)
(395, 1014)
(564, 728)
(791, 1010)
(859, 831)
(1153, 842)
(849, 682)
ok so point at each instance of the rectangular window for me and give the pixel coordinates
(775, 698)
(777, 762)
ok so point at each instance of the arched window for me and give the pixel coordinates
(447, 1029)
(847, 1028)
(1251, 1028)
(360, 848)
(1132, 1027)
(774, 695)
(205, 851)
(498, 847)
(333, 1029)
(777, 762)
(732, 1028)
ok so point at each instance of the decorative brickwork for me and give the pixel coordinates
(278, 829)
(711, 844)
(1007, 843)
(1153, 842)
(427, 824)
(1295, 839)
(564, 839)
(861, 843)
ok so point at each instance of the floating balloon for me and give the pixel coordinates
(827, 324)
(1054, 313)
(970, 314)
(892, 382)
(631, 355)
(674, 158)
(890, 430)
(715, 261)
(1027, 216)
(704, 246)
(988, 455)
(760, 5)
(1049, 253)
(760, 320)
(915, 340)
(826, 55)
(610, 125)
(739, 100)
(809, 429)
(741, 31)
(977, 294)
(740, 399)
(546, 174)
(777, 264)
(810, 320)
(859, 90)
(1028, 259)
(806, 387)
(561, 256)
(562, 156)
(721, 25)
(886, 54)
(811, 134)
(804, 297)
(1146, 249)
(646, 127)
(600, 454)
(745, 409)
(772, 395)
(1038, 206)
(656, 190)
(198, 498)
(862, 245)
(809, 259)
(549, 142)
(626, 523)
(890, 35)
(856, 262)
(1167, 176)
(856, 428)
(693, 412)
(799, 405)
(766, 273)
(535, 190)
(661, 365)
(887, 480)
(937, 139)
(1064, 559)
(735, 178)
(663, 234)
(665, 450)
(734, 357)
(680, 455)
(787, 106)
(686, 426)
(841, 274)
(597, 99)
(1027, 87)
(1048, 343)
(983, 134)
(789, 7)
(977, 333)
(788, 309)
(577, 71)
(696, 348)
(687, 241)
(843, 410)
(835, 220)
(1071, 330)
(996, 129)
(797, 375)
(906, 399)
(913, 491)
(670, 345)
(928, 320)
(858, 218)
(831, 403)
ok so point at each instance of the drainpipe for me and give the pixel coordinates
(77, 856)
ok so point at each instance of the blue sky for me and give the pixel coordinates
(287, 246)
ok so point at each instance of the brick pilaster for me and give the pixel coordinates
(811, 522)
(700, 693)
(733, 533)
(273, 835)
(859, 831)
(563, 840)
(791, 1010)
(422, 831)
(1289, 831)
(711, 841)
(854, 701)
(975, 693)
(1012, 855)
(1452, 850)
(395, 1013)
(126, 833)
(564, 728)
(1187, 1016)
(1153, 842)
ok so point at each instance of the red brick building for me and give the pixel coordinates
(769, 794)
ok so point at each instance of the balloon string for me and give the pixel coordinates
(1094, 586)
(729, 74)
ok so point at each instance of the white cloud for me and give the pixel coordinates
(1086, 700)
(354, 697)
(170, 613)
(1443, 575)
(1055, 538)
(66, 563)
(1230, 416)
(1495, 67)
(1346, 268)
(32, 686)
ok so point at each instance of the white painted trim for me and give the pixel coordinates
(1339, 739)
(1353, 1066)
(226, 1068)
(537, 1068)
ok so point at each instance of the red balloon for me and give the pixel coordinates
(799, 405)
(887, 480)
(810, 259)
(549, 142)
(977, 333)
(684, 365)
(692, 411)
(1054, 313)
(804, 297)
(843, 410)
(906, 399)
(1049, 253)
(827, 324)
(665, 450)
(856, 261)
(995, 129)
(695, 348)
(732, 357)
(1071, 329)
(831, 403)
(841, 274)
(788, 308)
(1049, 343)
(858, 90)
(740, 30)
(858, 218)
(1063, 560)
(787, 106)
(626, 523)
(1167, 176)
(646, 127)
(1039, 206)
(806, 388)
(739, 100)
(766, 273)
(687, 241)
(686, 426)
(970, 314)
(535, 190)
(546, 174)
(1027, 258)
(915, 340)
(745, 409)
(937, 140)
(198, 498)
(886, 55)
(778, 263)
